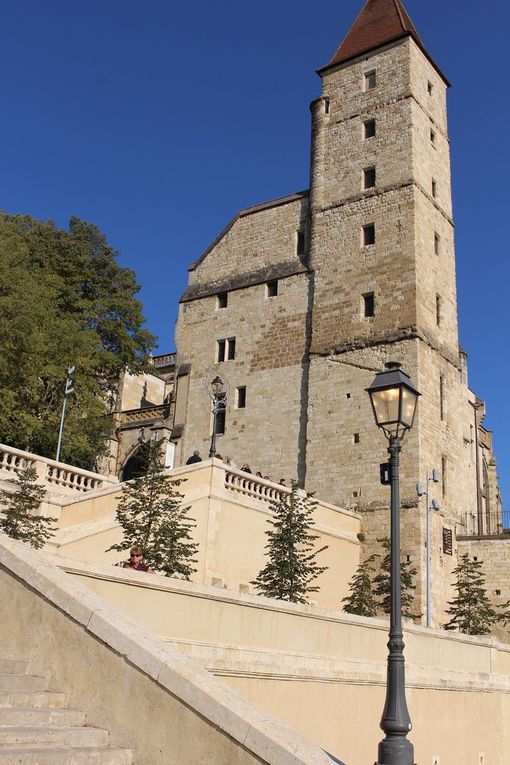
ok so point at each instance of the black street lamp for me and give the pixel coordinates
(218, 394)
(394, 401)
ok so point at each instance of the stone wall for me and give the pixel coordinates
(270, 337)
(103, 661)
(495, 554)
(324, 672)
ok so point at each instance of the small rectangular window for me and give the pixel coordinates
(300, 243)
(226, 350)
(434, 188)
(355, 438)
(370, 80)
(430, 88)
(368, 304)
(368, 234)
(369, 178)
(437, 243)
(241, 397)
(438, 310)
(326, 106)
(223, 300)
(369, 129)
(272, 288)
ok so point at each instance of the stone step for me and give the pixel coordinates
(12, 736)
(33, 717)
(22, 683)
(35, 699)
(13, 667)
(65, 756)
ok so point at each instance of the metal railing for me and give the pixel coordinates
(485, 524)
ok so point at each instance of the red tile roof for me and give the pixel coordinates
(379, 22)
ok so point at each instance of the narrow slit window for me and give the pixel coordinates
(370, 80)
(441, 397)
(326, 106)
(241, 397)
(437, 243)
(368, 304)
(355, 438)
(300, 243)
(438, 310)
(432, 137)
(368, 236)
(369, 178)
(434, 188)
(272, 288)
(369, 129)
(220, 418)
(444, 474)
(222, 299)
(430, 88)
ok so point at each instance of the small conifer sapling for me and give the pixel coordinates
(471, 611)
(19, 512)
(382, 583)
(361, 600)
(291, 567)
(151, 515)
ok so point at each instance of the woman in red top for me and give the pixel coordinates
(136, 561)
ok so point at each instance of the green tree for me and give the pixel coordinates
(151, 515)
(64, 300)
(19, 517)
(382, 583)
(471, 611)
(362, 601)
(291, 566)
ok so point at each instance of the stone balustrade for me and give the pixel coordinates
(148, 413)
(251, 486)
(54, 476)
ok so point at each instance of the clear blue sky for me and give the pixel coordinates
(159, 120)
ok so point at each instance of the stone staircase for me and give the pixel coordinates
(36, 728)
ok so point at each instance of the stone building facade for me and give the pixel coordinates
(299, 301)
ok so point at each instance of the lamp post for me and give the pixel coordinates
(434, 476)
(394, 399)
(67, 391)
(217, 392)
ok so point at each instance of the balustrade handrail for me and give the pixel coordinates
(253, 486)
(51, 473)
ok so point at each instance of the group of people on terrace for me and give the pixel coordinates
(195, 457)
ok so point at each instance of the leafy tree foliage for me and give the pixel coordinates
(471, 610)
(362, 600)
(291, 566)
(18, 511)
(151, 515)
(64, 300)
(382, 583)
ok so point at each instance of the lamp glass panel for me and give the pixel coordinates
(386, 405)
(408, 406)
(217, 386)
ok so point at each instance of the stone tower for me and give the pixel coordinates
(382, 255)
(299, 301)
